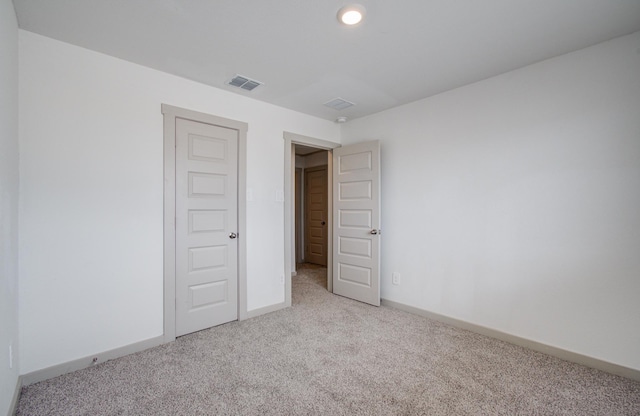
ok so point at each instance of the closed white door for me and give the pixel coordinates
(356, 222)
(206, 225)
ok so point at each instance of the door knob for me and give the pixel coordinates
(232, 235)
(375, 232)
(323, 223)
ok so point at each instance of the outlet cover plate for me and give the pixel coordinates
(395, 278)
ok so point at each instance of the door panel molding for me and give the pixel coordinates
(170, 114)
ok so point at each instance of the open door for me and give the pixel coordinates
(356, 222)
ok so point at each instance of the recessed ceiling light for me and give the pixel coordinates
(351, 15)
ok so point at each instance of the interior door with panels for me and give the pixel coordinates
(316, 215)
(206, 225)
(356, 222)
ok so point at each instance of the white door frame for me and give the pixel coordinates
(170, 114)
(291, 139)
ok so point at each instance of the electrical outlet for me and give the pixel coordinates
(395, 278)
(281, 279)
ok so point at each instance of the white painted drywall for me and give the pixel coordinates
(8, 203)
(514, 203)
(91, 192)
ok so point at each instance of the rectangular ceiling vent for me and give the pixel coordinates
(244, 83)
(339, 104)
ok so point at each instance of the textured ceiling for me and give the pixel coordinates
(405, 50)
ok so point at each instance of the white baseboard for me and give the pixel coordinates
(80, 363)
(13, 406)
(523, 342)
(88, 361)
(267, 309)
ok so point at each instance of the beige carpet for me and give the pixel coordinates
(329, 355)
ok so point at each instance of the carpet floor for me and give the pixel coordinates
(328, 355)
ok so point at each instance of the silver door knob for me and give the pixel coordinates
(375, 232)
(232, 235)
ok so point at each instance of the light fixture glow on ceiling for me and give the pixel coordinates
(351, 15)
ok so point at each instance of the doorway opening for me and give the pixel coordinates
(319, 152)
(311, 210)
(353, 220)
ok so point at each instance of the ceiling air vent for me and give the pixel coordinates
(339, 104)
(244, 82)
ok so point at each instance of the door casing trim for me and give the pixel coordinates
(291, 139)
(170, 114)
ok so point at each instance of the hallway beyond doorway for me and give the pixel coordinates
(315, 273)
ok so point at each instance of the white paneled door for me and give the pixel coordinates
(356, 222)
(206, 225)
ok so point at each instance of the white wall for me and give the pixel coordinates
(91, 193)
(514, 203)
(8, 202)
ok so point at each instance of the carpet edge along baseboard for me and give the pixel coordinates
(85, 362)
(78, 364)
(563, 354)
